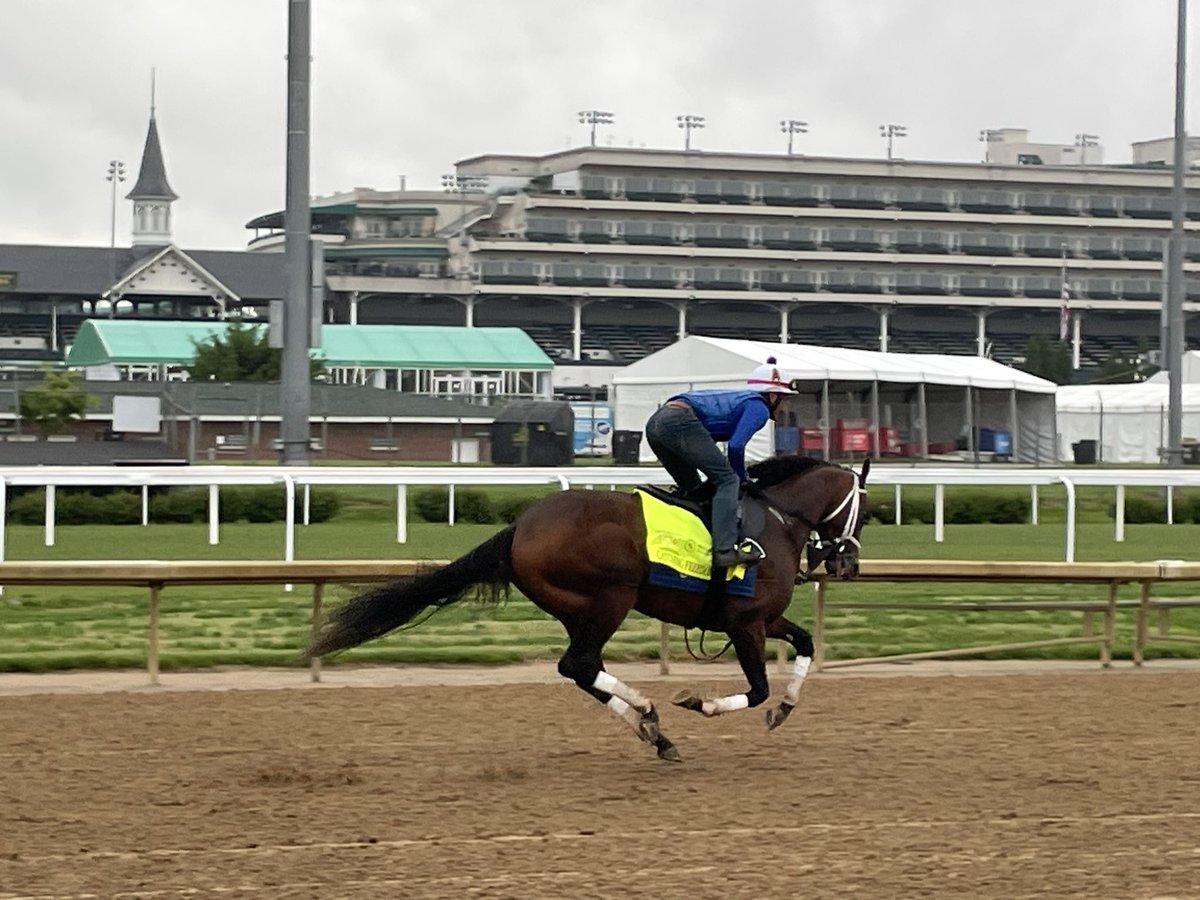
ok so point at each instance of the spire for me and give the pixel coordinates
(152, 177)
(152, 195)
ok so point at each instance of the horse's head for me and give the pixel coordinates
(839, 531)
(827, 503)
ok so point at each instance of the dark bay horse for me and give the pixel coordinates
(581, 557)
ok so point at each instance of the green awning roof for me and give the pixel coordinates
(127, 341)
(431, 347)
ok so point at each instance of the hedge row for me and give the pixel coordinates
(264, 503)
(961, 508)
(470, 505)
(967, 508)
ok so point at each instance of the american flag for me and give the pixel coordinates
(1064, 311)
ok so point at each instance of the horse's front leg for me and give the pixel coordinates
(748, 642)
(802, 641)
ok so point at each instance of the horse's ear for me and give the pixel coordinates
(862, 476)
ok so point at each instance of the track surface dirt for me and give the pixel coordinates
(995, 786)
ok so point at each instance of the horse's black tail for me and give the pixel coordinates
(385, 607)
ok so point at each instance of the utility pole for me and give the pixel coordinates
(295, 384)
(1173, 352)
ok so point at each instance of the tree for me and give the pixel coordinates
(1047, 359)
(1123, 367)
(242, 353)
(58, 400)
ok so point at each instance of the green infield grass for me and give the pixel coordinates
(79, 627)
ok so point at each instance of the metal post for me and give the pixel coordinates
(296, 389)
(401, 514)
(50, 498)
(939, 513)
(883, 331)
(923, 412)
(214, 519)
(1175, 288)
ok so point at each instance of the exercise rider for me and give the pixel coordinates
(683, 434)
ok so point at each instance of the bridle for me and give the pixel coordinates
(817, 549)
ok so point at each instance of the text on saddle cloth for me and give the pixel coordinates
(680, 550)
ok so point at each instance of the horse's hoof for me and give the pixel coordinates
(667, 751)
(688, 700)
(778, 715)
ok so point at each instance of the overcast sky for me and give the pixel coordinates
(406, 88)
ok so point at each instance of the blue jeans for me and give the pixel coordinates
(686, 449)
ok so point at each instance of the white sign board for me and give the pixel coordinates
(139, 414)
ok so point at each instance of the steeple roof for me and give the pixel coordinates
(152, 177)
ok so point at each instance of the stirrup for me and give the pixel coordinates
(746, 552)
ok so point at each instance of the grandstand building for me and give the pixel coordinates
(610, 254)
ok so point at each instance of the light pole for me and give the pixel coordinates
(891, 132)
(792, 127)
(689, 123)
(988, 136)
(1083, 140)
(594, 117)
(116, 173)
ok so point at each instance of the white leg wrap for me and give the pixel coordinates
(724, 704)
(623, 710)
(610, 685)
(799, 673)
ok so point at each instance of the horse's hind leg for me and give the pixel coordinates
(802, 641)
(582, 664)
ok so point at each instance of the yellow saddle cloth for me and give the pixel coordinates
(678, 541)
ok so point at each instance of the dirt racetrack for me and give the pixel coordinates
(995, 786)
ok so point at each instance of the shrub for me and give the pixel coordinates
(473, 505)
(508, 509)
(232, 505)
(432, 504)
(121, 508)
(28, 508)
(1141, 510)
(264, 503)
(179, 505)
(78, 508)
(323, 504)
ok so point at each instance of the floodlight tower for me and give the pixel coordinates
(792, 127)
(891, 132)
(689, 123)
(594, 117)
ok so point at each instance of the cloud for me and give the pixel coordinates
(406, 89)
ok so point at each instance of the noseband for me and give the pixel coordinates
(817, 549)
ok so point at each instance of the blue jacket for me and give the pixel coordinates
(731, 416)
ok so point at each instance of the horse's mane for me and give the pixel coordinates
(772, 471)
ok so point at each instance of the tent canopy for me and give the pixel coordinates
(724, 362)
(1127, 421)
(927, 403)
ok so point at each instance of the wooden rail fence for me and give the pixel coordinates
(156, 576)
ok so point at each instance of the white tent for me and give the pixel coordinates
(930, 400)
(1128, 422)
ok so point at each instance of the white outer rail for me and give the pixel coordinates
(401, 477)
